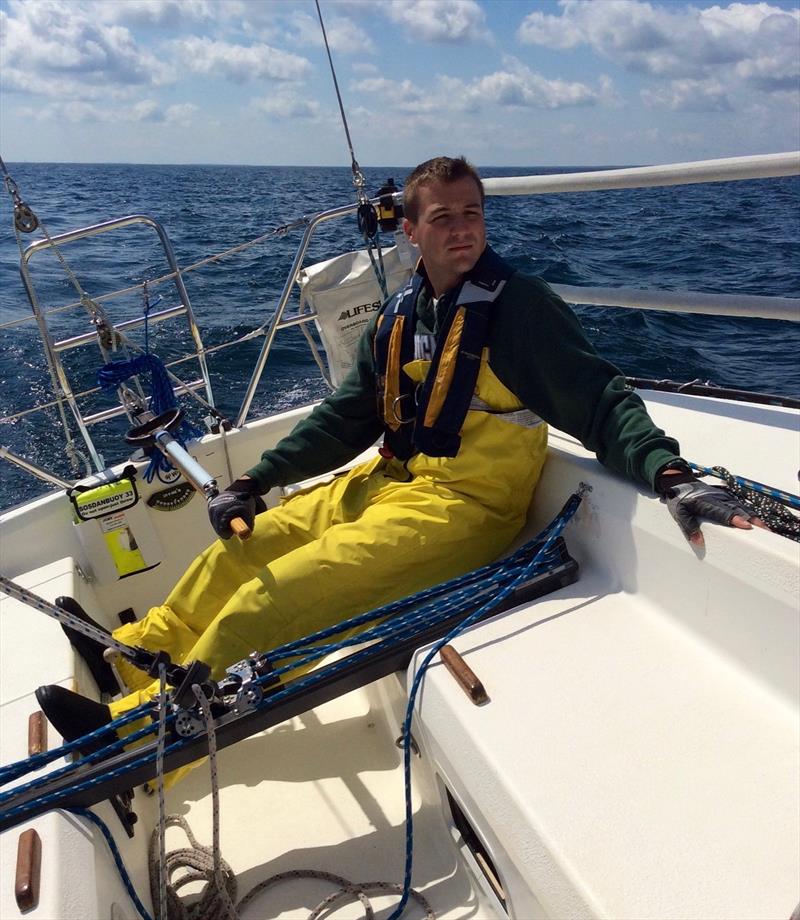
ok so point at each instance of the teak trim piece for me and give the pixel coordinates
(37, 733)
(29, 870)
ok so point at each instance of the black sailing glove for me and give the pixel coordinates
(691, 501)
(240, 499)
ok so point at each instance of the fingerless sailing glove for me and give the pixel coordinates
(241, 499)
(691, 501)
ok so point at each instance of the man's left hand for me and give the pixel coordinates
(691, 502)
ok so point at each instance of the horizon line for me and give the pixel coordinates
(320, 165)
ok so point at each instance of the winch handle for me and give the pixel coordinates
(240, 529)
(238, 525)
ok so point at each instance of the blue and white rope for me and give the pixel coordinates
(123, 872)
(37, 761)
(771, 505)
(779, 495)
(553, 531)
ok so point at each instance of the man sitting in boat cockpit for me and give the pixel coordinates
(460, 372)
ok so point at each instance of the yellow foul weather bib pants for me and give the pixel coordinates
(380, 532)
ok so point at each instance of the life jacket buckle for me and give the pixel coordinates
(398, 418)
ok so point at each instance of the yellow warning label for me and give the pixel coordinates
(105, 499)
(122, 544)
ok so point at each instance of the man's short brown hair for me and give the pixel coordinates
(439, 169)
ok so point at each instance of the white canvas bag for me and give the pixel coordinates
(345, 295)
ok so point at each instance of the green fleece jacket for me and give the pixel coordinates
(538, 349)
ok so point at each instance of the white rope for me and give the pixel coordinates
(199, 863)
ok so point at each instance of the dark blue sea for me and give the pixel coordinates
(741, 237)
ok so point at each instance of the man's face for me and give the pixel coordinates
(449, 230)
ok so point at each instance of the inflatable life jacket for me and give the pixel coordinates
(428, 419)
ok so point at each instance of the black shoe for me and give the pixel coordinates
(73, 715)
(88, 649)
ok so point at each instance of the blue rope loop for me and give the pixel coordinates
(162, 399)
(552, 531)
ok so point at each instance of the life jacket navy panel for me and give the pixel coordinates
(429, 420)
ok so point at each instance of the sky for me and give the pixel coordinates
(505, 82)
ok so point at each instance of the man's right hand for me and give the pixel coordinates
(239, 500)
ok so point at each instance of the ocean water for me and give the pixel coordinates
(741, 237)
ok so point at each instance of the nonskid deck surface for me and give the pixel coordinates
(325, 791)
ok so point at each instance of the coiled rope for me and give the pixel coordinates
(204, 864)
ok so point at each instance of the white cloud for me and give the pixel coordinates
(287, 105)
(146, 110)
(79, 111)
(755, 43)
(516, 86)
(344, 35)
(52, 47)
(402, 95)
(239, 62)
(182, 113)
(519, 86)
(164, 13)
(690, 96)
(455, 21)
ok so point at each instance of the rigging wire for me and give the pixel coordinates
(358, 177)
(25, 221)
(367, 218)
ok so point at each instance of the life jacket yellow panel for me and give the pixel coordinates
(500, 461)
